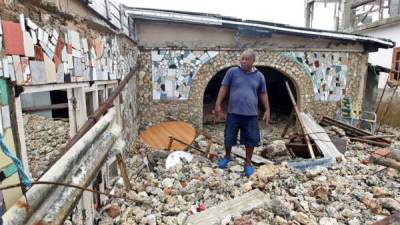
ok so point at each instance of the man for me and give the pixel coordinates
(245, 85)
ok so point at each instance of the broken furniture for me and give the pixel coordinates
(297, 112)
(351, 113)
(356, 133)
(175, 135)
(235, 150)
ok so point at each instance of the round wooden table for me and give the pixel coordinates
(158, 136)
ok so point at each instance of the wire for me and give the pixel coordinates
(66, 185)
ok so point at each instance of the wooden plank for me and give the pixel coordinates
(320, 137)
(389, 220)
(234, 207)
(255, 158)
(239, 152)
(297, 111)
(122, 168)
(45, 107)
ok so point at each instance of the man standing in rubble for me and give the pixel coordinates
(245, 85)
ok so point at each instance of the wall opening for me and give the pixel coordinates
(279, 99)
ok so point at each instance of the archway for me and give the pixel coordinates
(301, 81)
(280, 103)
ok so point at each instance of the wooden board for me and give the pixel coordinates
(157, 136)
(320, 137)
(234, 207)
(255, 158)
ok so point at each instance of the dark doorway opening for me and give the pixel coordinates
(58, 97)
(279, 100)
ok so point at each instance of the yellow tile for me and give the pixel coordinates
(11, 195)
(8, 139)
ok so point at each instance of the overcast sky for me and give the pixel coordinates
(283, 11)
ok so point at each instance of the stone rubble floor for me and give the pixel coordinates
(45, 137)
(345, 193)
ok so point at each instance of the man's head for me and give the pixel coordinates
(247, 59)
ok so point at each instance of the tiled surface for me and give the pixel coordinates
(328, 73)
(173, 72)
(81, 58)
(13, 38)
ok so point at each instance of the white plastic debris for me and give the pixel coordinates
(175, 158)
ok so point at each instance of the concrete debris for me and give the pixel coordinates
(45, 137)
(343, 193)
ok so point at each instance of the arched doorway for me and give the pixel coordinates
(280, 103)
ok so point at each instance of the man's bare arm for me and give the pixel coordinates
(223, 91)
(265, 103)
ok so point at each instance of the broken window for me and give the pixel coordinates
(396, 64)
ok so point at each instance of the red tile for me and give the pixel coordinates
(13, 39)
(57, 55)
(39, 54)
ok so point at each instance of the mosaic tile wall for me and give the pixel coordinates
(173, 72)
(34, 55)
(328, 73)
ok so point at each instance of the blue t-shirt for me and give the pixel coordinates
(244, 89)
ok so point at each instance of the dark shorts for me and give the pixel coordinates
(249, 131)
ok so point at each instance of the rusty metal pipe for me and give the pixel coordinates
(92, 119)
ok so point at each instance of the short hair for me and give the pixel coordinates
(251, 52)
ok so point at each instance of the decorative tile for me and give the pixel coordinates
(13, 38)
(5, 114)
(327, 71)
(3, 92)
(31, 24)
(74, 40)
(18, 69)
(39, 56)
(28, 45)
(37, 72)
(6, 71)
(60, 73)
(26, 71)
(50, 70)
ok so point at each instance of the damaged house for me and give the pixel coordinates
(80, 80)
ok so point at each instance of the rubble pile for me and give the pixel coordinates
(348, 192)
(44, 139)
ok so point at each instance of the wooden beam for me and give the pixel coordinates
(122, 168)
(389, 220)
(385, 162)
(297, 111)
(45, 107)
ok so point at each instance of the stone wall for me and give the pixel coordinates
(153, 111)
